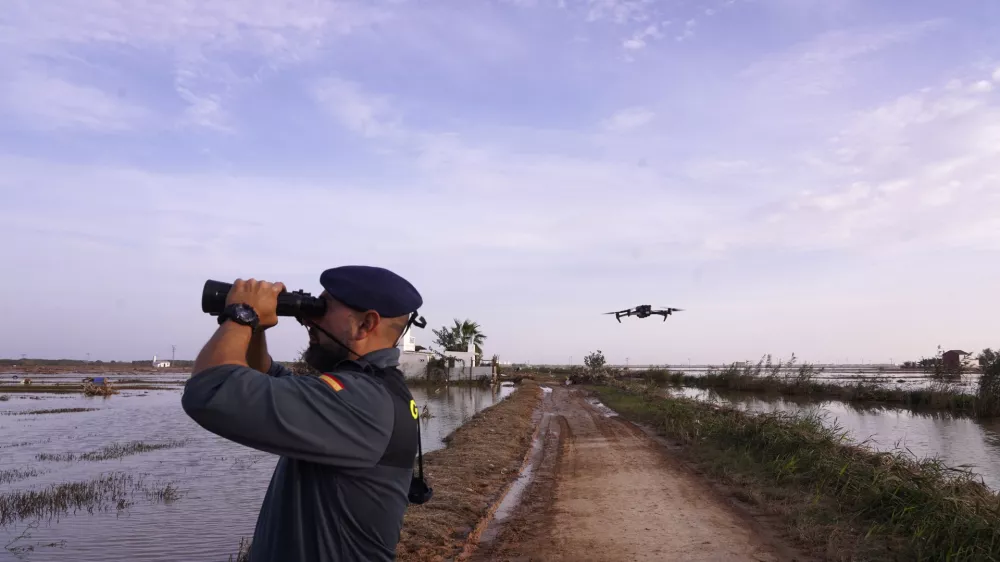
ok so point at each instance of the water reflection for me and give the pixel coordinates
(450, 407)
(960, 442)
(222, 483)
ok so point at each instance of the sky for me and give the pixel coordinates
(817, 177)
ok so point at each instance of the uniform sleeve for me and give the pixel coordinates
(300, 417)
(279, 370)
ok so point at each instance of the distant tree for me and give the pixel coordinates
(458, 337)
(988, 358)
(988, 391)
(594, 360)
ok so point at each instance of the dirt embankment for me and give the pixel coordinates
(469, 476)
(605, 491)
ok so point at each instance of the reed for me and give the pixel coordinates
(789, 379)
(112, 451)
(112, 491)
(243, 552)
(9, 475)
(52, 411)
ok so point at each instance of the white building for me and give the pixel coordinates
(465, 358)
(159, 364)
(413, 363)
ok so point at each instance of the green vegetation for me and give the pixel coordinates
(459, 336)
(243, 552)
(9, 475)
(789, 379)
(836, 497)
(112, 451)
(100, 494)
(111, 491)
(988, 392)
(165, 493)
(52, 411)
(595, 360)
(800, 383)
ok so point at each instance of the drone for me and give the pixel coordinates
(644, 311)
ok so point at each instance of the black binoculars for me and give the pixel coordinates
(294, 303)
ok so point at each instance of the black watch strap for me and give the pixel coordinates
(241, 313)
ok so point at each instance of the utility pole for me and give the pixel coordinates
(88, 357)
(173, 351)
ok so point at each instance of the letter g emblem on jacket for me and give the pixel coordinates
(413, 409)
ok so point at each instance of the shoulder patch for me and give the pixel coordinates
(333, 381)
(413, 409)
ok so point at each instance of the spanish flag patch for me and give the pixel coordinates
(332, 381)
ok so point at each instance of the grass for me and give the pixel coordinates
(10, 475)
(165, 493)
(112, 491)
(838, 498)
(52, 411)
(243, 552)
(100, 494)
(112, 451)
(790, 380)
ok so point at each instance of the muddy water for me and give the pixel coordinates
(222, 483)
(957, 441)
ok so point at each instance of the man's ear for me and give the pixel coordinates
(369, 323)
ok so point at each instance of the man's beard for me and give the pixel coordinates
(325, 358)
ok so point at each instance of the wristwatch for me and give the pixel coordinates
(241, 313)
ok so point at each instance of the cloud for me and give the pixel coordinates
(982, 86)
(916, 174)
(200, 41)
(688, 31)
(639, 38)
(363, 113)
(821, 65)
(628, 119)
(619, 11)
(50, 103)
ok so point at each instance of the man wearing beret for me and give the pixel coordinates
(347, 438)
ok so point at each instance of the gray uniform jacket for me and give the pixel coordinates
(327, 500)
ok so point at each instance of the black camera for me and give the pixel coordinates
(295, 303)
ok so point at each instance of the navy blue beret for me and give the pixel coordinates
(365, 287)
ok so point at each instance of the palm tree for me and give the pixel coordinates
(458, 337)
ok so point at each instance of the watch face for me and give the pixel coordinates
(244, 314)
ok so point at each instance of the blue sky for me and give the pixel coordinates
(807, 176)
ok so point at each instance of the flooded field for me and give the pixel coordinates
(164, 489)
(961, 442)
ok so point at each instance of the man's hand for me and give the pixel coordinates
(261, 295)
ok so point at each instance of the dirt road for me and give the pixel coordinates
(603, 490)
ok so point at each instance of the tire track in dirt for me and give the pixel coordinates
(605, 491)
